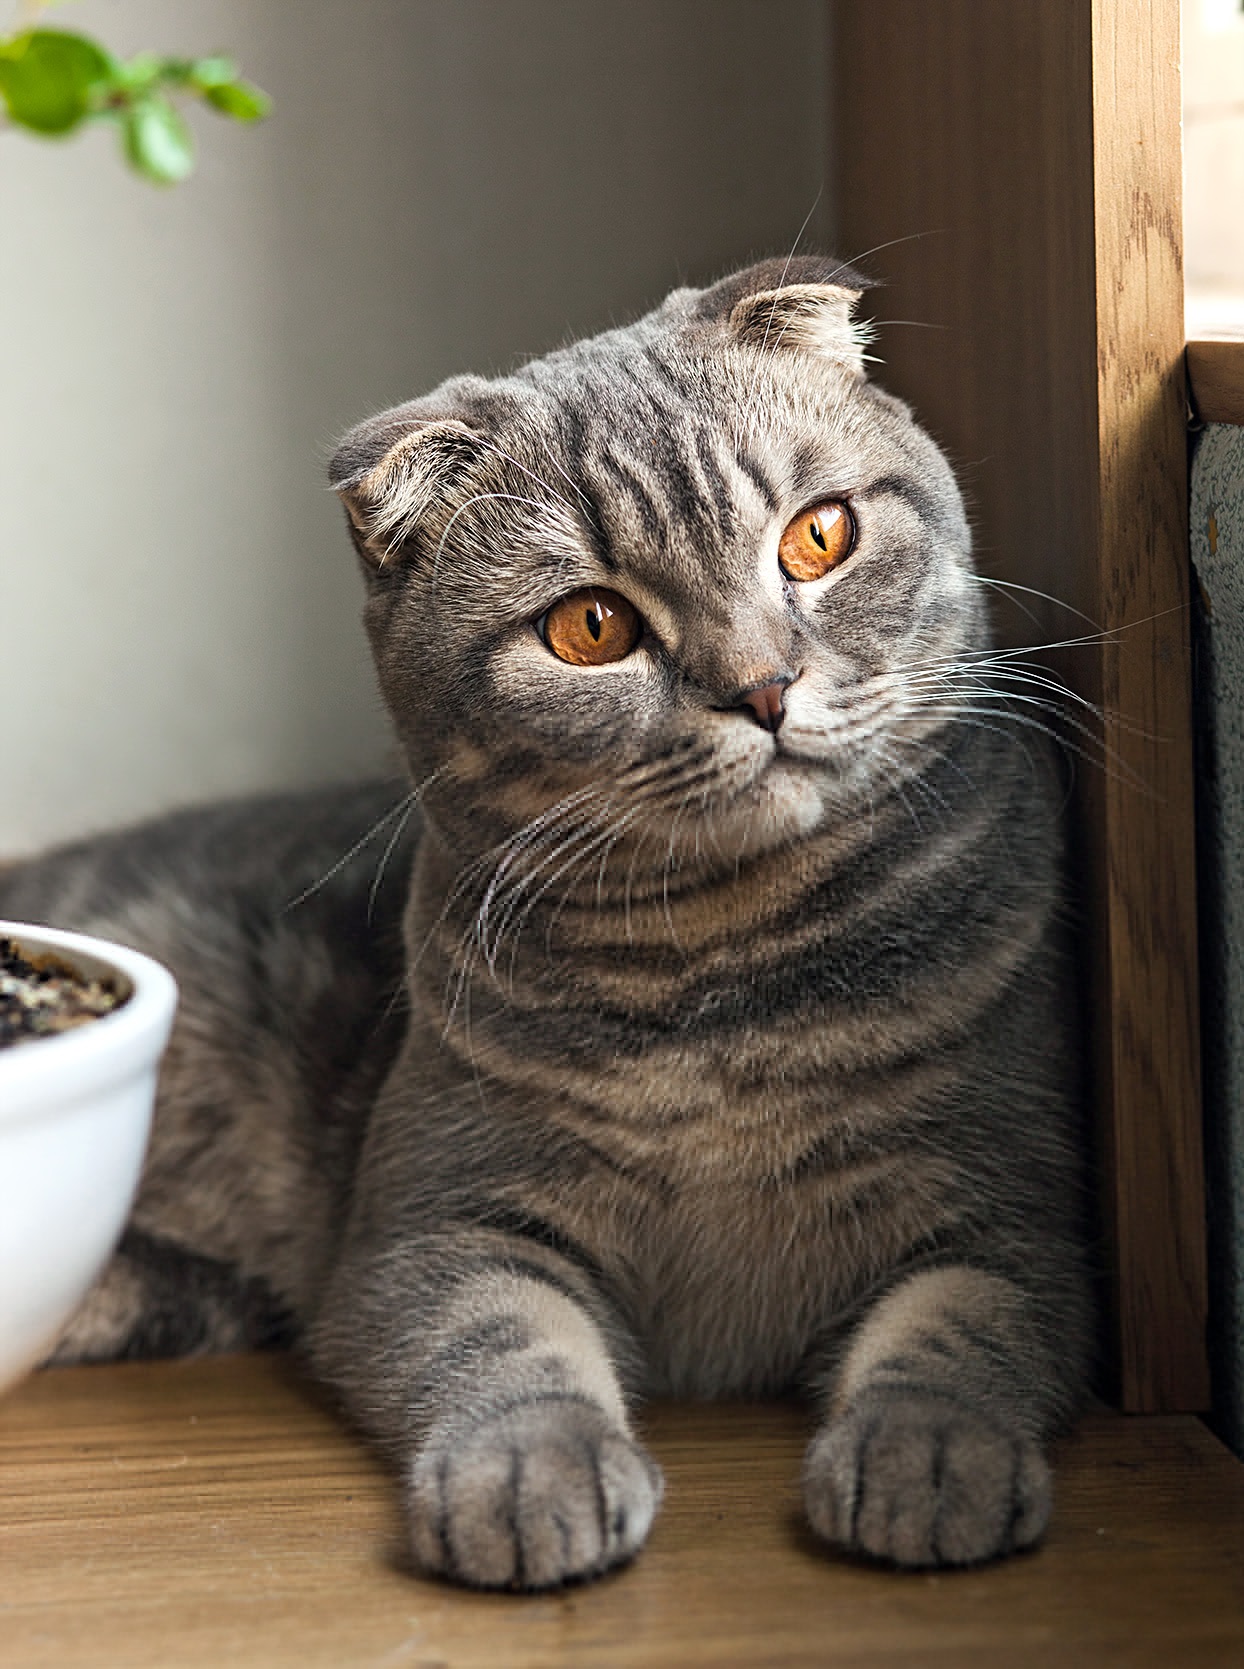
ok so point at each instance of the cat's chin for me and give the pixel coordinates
(788, 802)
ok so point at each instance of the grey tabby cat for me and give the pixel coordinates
(705, 1032)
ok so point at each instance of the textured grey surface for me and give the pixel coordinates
(1217, 515)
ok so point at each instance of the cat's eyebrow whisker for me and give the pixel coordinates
(475, 498)
(568, 478)
(890, 243)
(530, 473)
(865, 329)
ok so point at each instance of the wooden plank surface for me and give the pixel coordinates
(1028, 154)
(208, 1513)
(1216, 381)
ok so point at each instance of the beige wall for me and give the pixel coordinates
(446, 185)
(1213, 95)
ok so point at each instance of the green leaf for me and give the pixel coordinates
(140, 72)
(211, 72)
(157, 141)
(48, 78)
(239, 99)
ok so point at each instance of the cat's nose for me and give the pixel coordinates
(767, 703)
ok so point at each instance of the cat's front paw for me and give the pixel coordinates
(545, 1493)
(925, 1480)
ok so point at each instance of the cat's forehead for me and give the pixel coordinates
(702, 416)
(667, 395)
(678, 447)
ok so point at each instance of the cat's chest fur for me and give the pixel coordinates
(731, 1287)
(730, 1147)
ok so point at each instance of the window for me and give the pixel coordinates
(1213, 108)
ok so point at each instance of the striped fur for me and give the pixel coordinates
(650, 1051)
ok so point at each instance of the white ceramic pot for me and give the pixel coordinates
(75, 1113)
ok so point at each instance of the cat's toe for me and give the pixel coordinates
(546, 1493)
(924, 1480)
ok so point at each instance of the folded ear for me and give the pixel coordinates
(802, 305)
(387, 485)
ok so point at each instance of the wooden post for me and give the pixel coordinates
(1029, 153)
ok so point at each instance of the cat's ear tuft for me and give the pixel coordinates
(804, 304)
(815, 318)
(388, 485)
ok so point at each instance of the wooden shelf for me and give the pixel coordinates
(212, 1512)
(1216, 381)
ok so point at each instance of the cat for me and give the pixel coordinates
(696, 1021)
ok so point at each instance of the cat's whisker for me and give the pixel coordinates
(463, 882)
(1096, 753)
(1112, 635)
(404, 806)
(679, 751)
(511, 850)
(510, 877)
(518, 907)
(896, 780)
(646, 829)
(974, 678)
(515, 871)
(373, 891)
(1032, 591)
(589, 842)
(917, 324)
(1015, 684)
(610, 838)
(667, 868)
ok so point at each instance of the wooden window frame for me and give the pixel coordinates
(1028, 151)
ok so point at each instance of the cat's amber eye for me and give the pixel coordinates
(817, 540)
(591, 627)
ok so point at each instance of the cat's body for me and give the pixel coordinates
(733, 1048)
